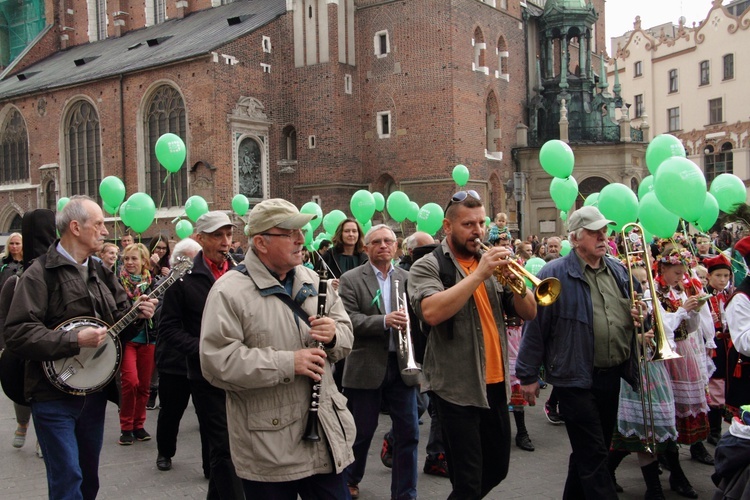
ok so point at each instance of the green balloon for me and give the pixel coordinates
(618, 203)
(398, 205)
(565, 248)
(362, 206)
(710, 213)
(240, 204)
(460, 175)
(332, 220)
(487, 222)
(112, 191)
(557, 159)
(195, 206)
(109, 210)
(592, 200)
(646, 186)
(563, 215)
(729, 190)
(379, 201)
(661, 148)
(366, 226)
(564, 192)
(413, 211)
(430, 218)
(124, 213)
(534, 265)
(655, 218)
(141, 211)
(62, 202)
(313, 208)
(183, 228)
(308, 230)
(170, 151)
(681, 188)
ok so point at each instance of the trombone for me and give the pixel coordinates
(405, 344)
(546, 291)
(633, 241)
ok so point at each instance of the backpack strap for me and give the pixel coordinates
(447, 272)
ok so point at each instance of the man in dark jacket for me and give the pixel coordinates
(63, 285)
(180, 327)
(586, 341)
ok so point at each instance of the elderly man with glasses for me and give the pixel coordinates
(466, 360)
(373, 371)
(265, 344)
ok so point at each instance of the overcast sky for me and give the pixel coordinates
(620, 14)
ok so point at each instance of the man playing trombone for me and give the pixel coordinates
(586, 340)
(466, 360)
(373, 371)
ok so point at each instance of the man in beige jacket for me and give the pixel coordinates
(257, 345)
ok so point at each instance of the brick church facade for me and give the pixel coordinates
(300, 99)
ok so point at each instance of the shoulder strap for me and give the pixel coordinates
(447, 273)
(286, 299)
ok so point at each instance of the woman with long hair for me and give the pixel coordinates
(12, 258)
(348, 249)
(12, 265)
(138, 352)
(159, 251)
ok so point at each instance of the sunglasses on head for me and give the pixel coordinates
(461, 196)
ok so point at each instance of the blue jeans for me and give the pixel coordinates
(402, 403)
(70, 433)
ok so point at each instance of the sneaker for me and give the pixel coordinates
(141, 435)
(552, 415)
(19, 438)
(354, 490)
(126, 438)
(436, 465)
(151, 403)
(386, 452)
(39, 451)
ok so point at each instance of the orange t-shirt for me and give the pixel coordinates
(493, 354)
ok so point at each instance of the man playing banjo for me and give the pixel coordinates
(67, 283)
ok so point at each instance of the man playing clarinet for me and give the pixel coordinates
(264, 342)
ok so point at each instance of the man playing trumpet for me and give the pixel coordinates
(466, 359)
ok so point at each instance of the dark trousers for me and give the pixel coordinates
(318, 487)
(477, 443)
(402, 404)
(590, 419)
(210, 407)
(174, 394)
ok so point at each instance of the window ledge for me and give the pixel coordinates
(18, 185)
(494, 156)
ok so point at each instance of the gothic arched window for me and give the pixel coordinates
(83, 151)
(164, 113)
(14, 149)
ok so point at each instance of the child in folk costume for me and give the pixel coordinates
(719, 287)
(633, 433)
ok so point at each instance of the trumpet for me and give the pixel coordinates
(632, 236)
(405, 344)
(546, 291)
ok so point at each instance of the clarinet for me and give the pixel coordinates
(311, 429)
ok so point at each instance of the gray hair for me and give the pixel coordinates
(73, 210)
(184, 248)
(378, 228)
(575, 235)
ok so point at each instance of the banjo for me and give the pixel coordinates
(93, 367)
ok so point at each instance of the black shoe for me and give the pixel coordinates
(386, 452)
(663, 463)
(436, 465)
(683, 488)
(141, 435)
(126, 438)
(699, 453)
(713, 439)
(552, 415)
(163, 463)
(524, 442)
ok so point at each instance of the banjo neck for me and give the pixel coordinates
(132, 314)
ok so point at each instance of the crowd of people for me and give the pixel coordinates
(290, 355)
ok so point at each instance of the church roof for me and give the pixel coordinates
(565, 5)
(175, 40)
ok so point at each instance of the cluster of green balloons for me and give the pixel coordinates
(676, 189)
(557, 160)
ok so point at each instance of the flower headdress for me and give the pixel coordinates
(676, 257)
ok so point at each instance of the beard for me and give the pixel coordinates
(460, 248)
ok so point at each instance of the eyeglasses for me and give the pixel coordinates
(461, 196)
(292, 234)
(378, 242)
